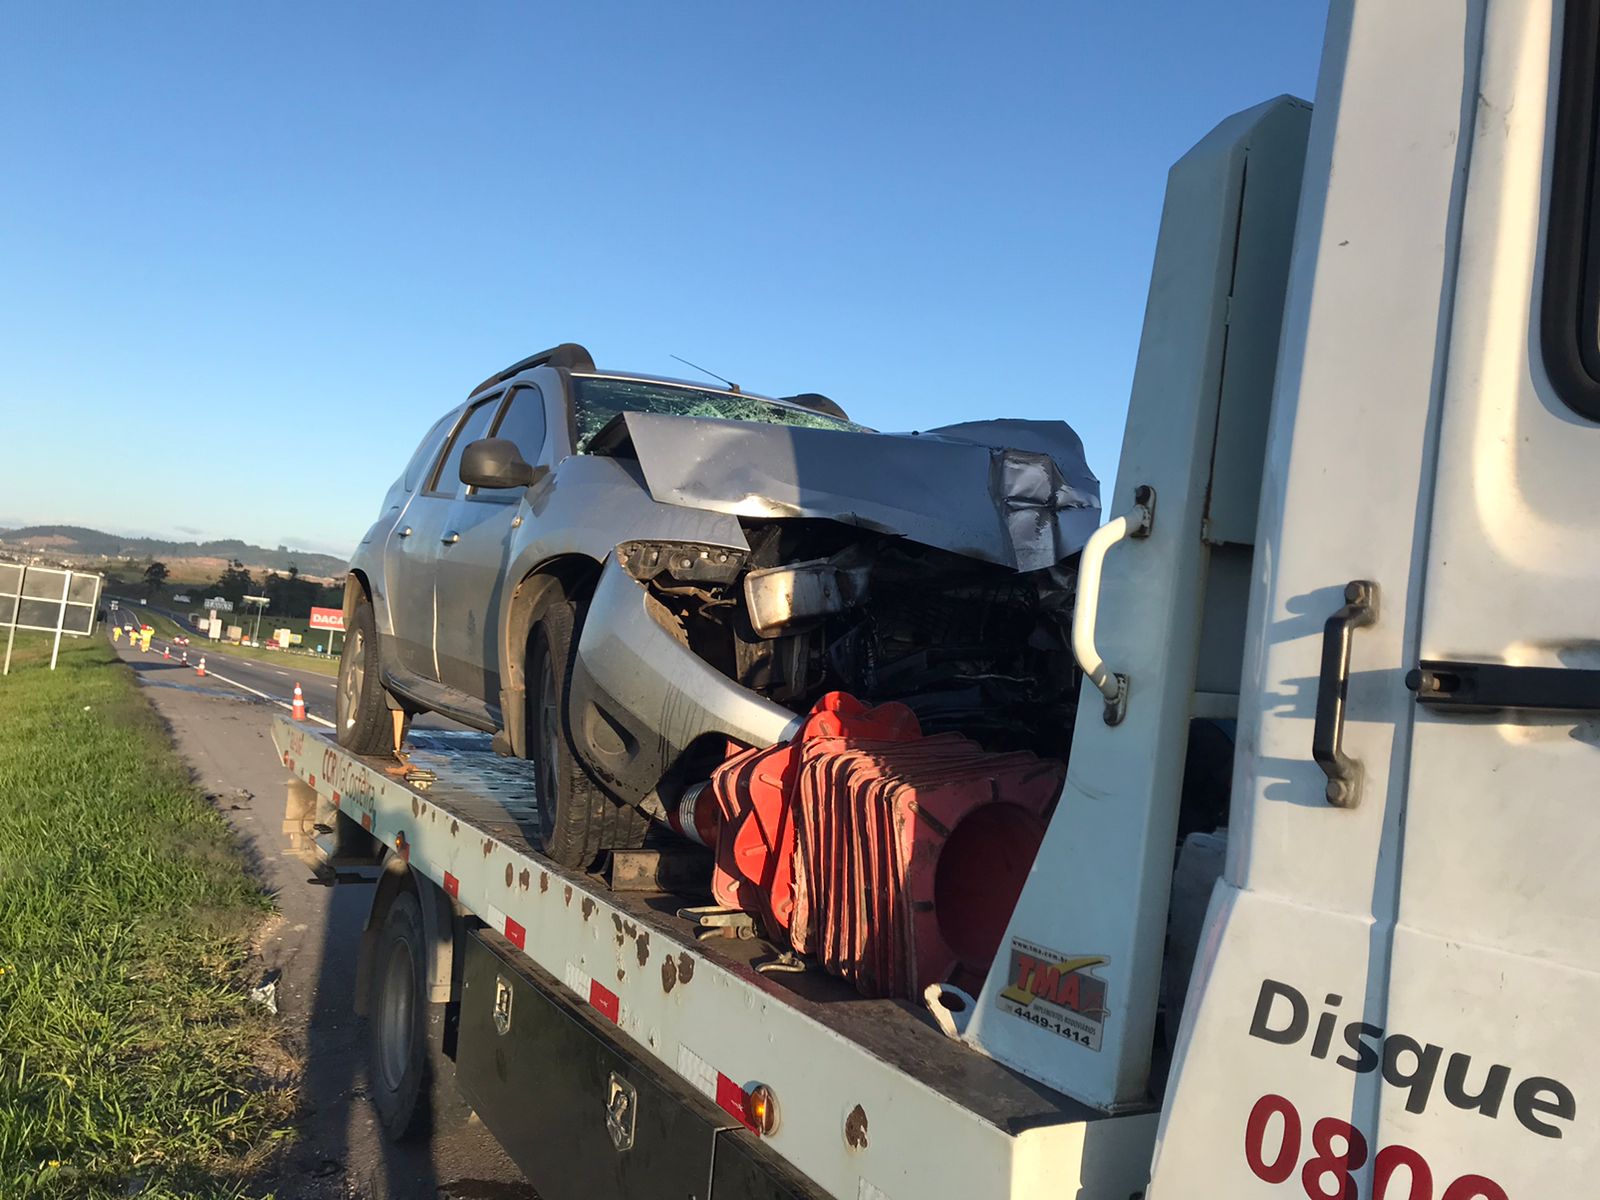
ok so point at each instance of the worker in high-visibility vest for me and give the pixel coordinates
(144, 639)
(116, 633)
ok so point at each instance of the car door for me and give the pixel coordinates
(412, 550)
(474, 554)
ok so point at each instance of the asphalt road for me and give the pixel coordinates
(221, 724)
(249, 676)
(263, 680)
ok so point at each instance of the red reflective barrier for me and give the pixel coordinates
(892, 858)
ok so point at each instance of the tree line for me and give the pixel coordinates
(288, 595)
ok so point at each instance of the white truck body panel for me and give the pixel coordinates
(1401, 991)
(1196, 423)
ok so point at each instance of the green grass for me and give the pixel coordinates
(289, 660)
(132, 1062)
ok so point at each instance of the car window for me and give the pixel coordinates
(523, 422)
(596, 400)
(447, 479)
(426, 449)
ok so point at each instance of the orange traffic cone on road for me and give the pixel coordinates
(166, 652)
(201, 669)
(298, 709)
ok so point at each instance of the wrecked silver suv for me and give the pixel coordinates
(627, 578)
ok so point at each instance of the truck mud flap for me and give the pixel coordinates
(580, 1114)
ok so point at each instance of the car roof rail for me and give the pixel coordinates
(568, 356)
(816, 402)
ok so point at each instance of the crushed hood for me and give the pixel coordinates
(1016, 493)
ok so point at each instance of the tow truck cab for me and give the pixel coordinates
(1396, 981)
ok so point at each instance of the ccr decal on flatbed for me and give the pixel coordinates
(1057, 992)
(351, 784)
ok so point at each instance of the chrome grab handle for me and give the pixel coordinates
(1327, 735)
(1136, 523)
(451, 538)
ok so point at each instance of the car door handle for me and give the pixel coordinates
(451, 538)
(406, 532)
(1327, 735)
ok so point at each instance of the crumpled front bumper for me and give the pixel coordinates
(640, 697)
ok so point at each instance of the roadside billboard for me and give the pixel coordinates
(48, 599)
(328, 618)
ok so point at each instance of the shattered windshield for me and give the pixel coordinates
(596, 401)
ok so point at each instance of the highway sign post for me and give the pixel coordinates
(260, 603)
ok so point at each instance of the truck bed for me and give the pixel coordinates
(866, 1086)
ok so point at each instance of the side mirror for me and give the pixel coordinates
(497, 463)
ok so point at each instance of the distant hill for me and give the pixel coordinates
(76, 540)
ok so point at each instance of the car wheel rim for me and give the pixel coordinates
(395, 1020)
(355, 675)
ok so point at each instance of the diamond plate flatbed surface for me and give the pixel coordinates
(475, 785)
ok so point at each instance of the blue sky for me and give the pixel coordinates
(249, 252)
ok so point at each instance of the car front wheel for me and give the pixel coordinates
(578, 821)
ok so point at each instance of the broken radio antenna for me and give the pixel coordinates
(732, 386)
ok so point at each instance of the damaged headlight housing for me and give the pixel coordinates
(788, 599)
(686, 562)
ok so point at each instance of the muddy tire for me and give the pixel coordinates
(578, 820)
(398, 1068)
(361, 713)
(410, 1075)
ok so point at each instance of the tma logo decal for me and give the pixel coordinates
(1057, 991)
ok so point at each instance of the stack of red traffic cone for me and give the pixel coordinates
(298, 709)
(201, 669)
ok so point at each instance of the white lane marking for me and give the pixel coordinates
(316, 680)
(273, 699)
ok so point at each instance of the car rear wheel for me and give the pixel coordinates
(361, 712)
(578, 821)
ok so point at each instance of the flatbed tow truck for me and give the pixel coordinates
(1358, 507)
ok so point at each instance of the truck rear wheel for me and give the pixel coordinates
(360, 710)
(578, 821)
(397, 1037)
(408, 1072)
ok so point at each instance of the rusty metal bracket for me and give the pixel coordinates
(713, 921)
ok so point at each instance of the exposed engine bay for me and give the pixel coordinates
(816, 606)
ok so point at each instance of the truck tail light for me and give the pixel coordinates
(761, 1106)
